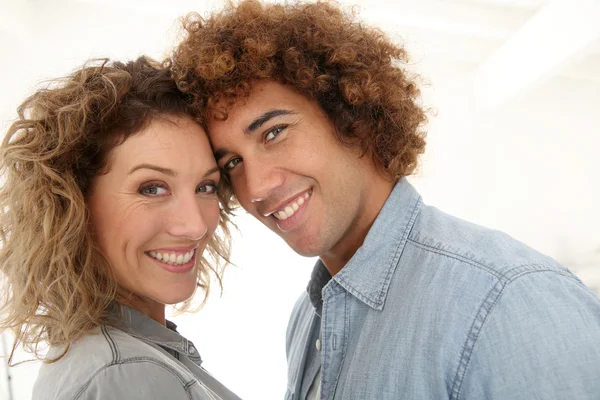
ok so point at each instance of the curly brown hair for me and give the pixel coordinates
(351, 70)
(58, 285)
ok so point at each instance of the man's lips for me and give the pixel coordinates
(287, 208)
(291, 208)
(289, 219)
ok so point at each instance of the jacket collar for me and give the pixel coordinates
(145, 328)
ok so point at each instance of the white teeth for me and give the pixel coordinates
(291, 209)
(172, 258)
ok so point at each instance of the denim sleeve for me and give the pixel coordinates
(540, 340)
(134, 381)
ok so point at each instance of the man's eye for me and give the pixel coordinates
(232, 163)
(208, 188)
(153, 189)
(274, 132)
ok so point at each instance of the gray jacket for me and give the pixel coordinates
(141, 360)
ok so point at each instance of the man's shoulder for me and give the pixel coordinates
(465, 242)
(479, 269)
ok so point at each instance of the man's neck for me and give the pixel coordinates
(335, 259)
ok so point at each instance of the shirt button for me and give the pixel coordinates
(318, 345)
(192, 350)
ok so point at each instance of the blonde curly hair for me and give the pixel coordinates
(57, 283)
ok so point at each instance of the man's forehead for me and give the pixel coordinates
(261, 98)
(225, 108)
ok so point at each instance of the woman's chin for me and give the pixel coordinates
(176, 299)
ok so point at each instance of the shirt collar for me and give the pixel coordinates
(365, 279)
(318, 279)
(145, 328)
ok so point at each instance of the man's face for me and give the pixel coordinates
(288, 169)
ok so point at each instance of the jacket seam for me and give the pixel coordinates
(132, 360)
(111, 343)
(482, 316)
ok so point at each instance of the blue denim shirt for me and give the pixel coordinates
(433, 307)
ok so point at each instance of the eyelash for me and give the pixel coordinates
(278, 128)
(201, 188)
(151, 185)
(276, 131)
(214, 187)
(227, 168)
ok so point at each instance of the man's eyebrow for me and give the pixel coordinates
(254, 125)
(258, 122)
(153, 167)
(220, 153)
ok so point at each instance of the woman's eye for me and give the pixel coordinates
(232, 163)
(274, 132)
(153, 189)
(208, 188)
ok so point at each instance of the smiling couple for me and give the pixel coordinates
(115, 204)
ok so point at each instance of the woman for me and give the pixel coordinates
(108, 205)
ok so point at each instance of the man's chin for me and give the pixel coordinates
(305, 249)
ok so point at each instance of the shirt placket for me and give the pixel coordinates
(334, 337)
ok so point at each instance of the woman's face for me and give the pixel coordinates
(156, 208)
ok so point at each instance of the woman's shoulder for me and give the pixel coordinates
(107, 355)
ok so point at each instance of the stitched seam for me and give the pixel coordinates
(482, 316)
(505, 277)
(189, 384)
(356, 293)
(472, 337)
(111, 344)
(345, 343)
(131, 360)
(400, 248)
(187, 388)
(146, 340)
(325, 354)
(456, 257)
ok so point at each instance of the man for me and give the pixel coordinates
(315, 125)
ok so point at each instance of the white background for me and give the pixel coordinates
(514, 87)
